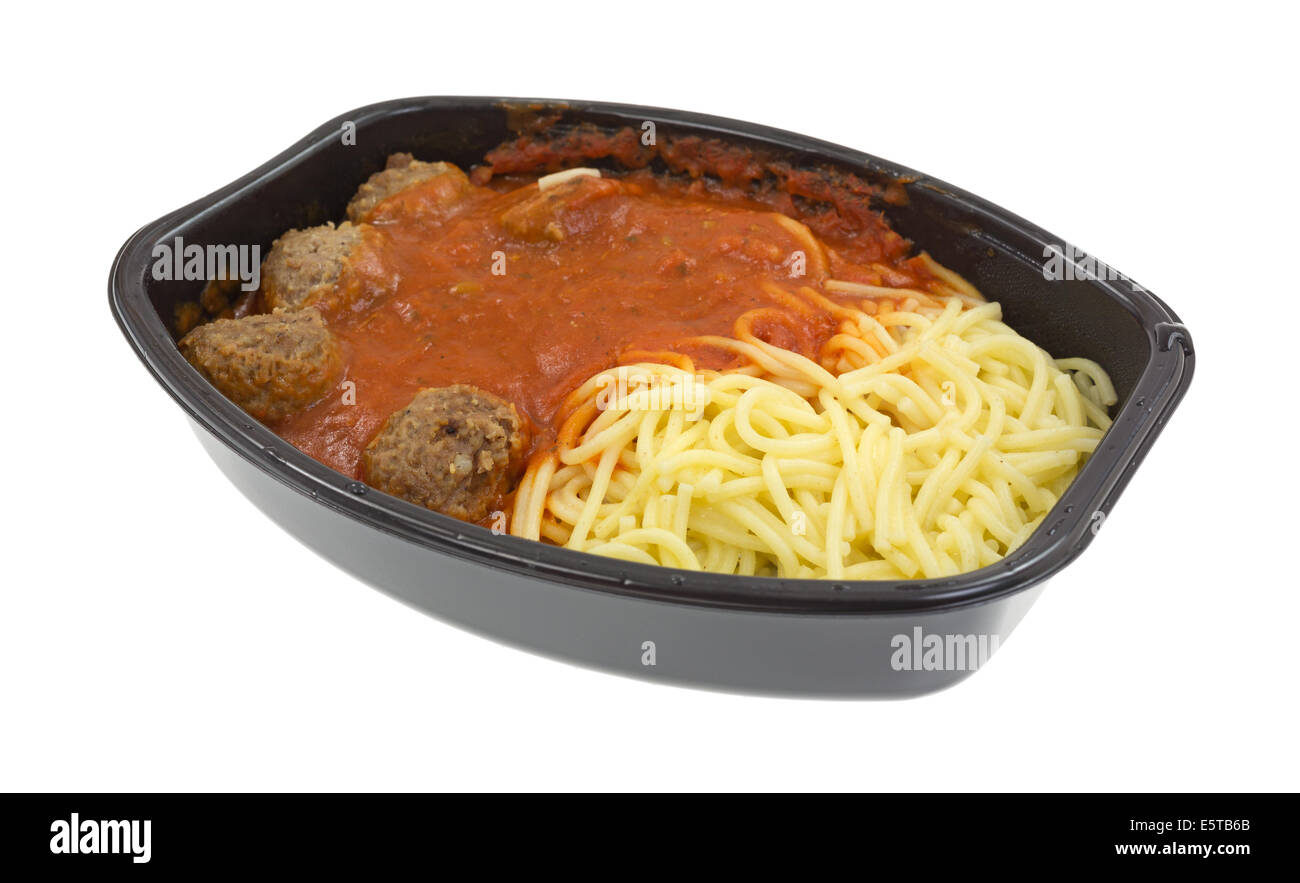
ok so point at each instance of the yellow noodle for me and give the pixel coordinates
(930, 441)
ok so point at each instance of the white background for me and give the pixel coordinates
(157, 632)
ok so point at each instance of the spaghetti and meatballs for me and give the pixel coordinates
(707, 359)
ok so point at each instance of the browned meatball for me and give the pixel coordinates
(270, 365)
(403, 171)
(454, 449)
(305, 264)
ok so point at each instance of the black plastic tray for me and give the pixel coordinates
(766, 635)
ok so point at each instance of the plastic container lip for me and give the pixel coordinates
(1063, 535)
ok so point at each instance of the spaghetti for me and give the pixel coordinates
(928, 439)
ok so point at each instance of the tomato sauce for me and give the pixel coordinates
(469, 292)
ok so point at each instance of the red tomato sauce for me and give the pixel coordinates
(440, 295)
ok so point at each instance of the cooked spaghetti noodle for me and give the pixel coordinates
(930, 440)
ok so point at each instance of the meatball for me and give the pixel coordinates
(270, 365)
(454, 449)
(401, 172)
(304, 264)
